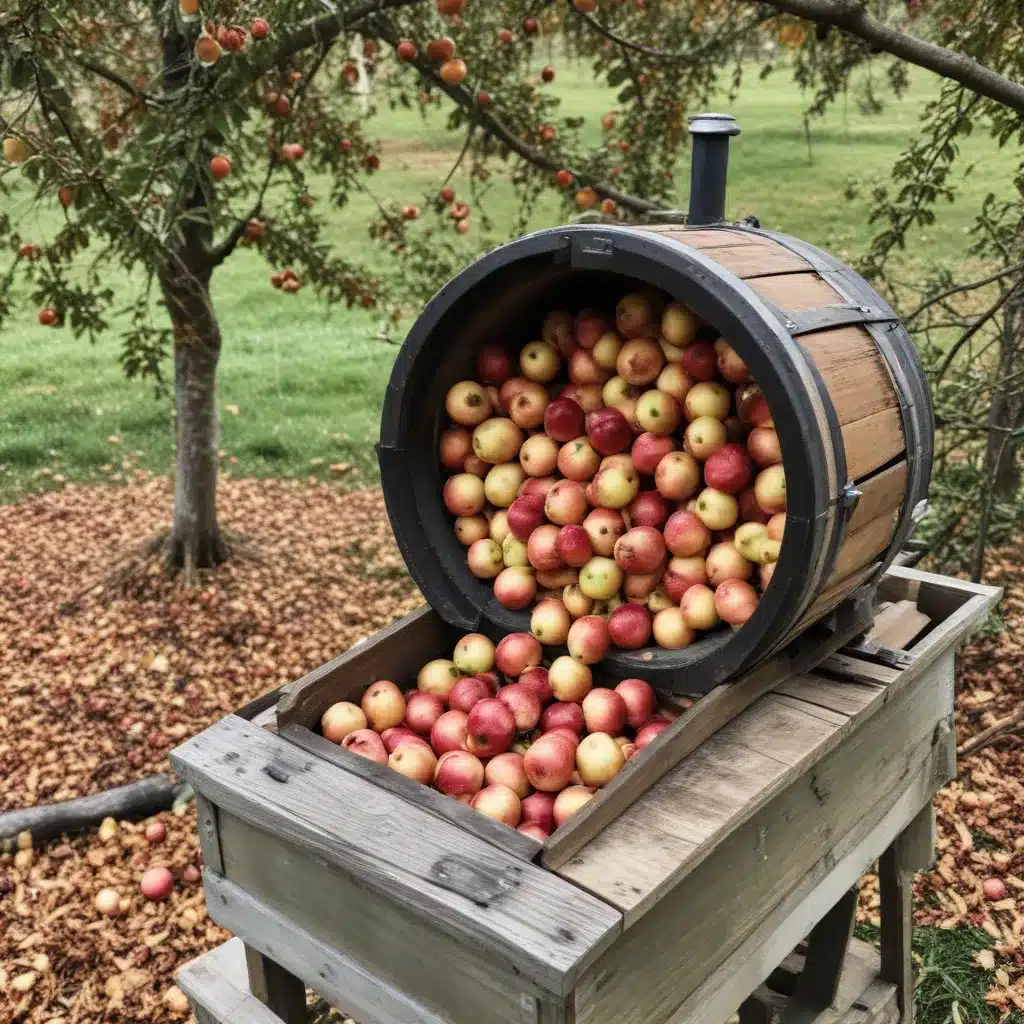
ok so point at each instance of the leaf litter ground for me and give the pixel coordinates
(105, 665)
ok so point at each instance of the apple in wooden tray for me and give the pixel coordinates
(520, 738)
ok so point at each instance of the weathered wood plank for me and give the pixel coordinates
(856, 670)
(897, 624)
(860, 547)
(277, 989)
(340, 979)
(794, 292)
(872, 442)
(843, 698)
(217, 986)
(702, 974)
(398, 850)
(879, 493)
(662, 958)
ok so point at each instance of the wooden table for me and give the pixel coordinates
(673, 914)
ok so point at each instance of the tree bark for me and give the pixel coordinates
(196, 541)
(1007, 408)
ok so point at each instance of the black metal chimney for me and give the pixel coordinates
(710, 166)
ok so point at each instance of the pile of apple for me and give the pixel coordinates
(625, 467)
(493, 728)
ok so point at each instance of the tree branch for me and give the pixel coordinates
(119, 80)
(852, 17)
(1005, 272)
(971, 332)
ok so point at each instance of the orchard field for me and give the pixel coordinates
(301, 386)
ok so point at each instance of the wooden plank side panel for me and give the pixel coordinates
(854, 371)
(880, 493)
(663, 958)
(872, 442)
(745, 255)
(543, 927)
(403, 951)
(795, 292)
(860, 547)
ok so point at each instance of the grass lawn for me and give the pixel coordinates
(307, 381)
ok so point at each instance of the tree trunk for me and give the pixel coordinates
(1007, 410)
(196, 541)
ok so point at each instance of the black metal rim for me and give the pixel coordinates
(412, 479)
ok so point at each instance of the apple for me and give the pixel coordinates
(589, 327)
(449, 732)
(422, 710)
(588, 639)
(617, 391)
(524, 705)
(768, 551)
(563, 715)
(578, 460)
(993, 889)
(659, 600)
(464, 495)
(704, 437)
(476, 466)
(650, 731)
(615, 488)
(340, 719)
(536, 680)
(752, 407)
(455, 447)
(748, 540)
(678, 476)
(525, 514)
(492, 680)
(550, 621)
(750, 511)
(156, 885)
(685, 534)
(770, 489)
(576, 602)
(366, 743)
(606, 351)
(573, 545)
(709, 398)
(509, 389)
(497, 440)
(514, 553)
(569, 801)
(598, 759)
(730, 365)
(678, 324)
(658, 412)
(467, 693)
(517, 652)
(725, 562)
(640, 361)
(640, 700)
(538, 809)
(554, 581)
(648, 508)
(638, 586)
(439, 677)
(629, 627)
(570, 681)
(572, 735)
(540, 548)
(729, 469)
(534, 832)
(633, 316)
(383, 705)
(699, 361)
(540, 361)
(557, 330)
(474, 653)
(566, 503)
(499, 525)
(507, 770)
(735, 601)
(502, 483)
(415, 761)
(484, 559)
(682, 573)
(564, 420)
(458, 773)
(600, 578)
(671, 631)
(609, 431)
(528, 404)
(763, 446)
(494, 363)
(470, 529)
(640, 550)
(776, 526)
(649, 449)
(550, 763)
(467, 403)
(584, 368)
(698, 607)
(716, 510)
(490, 728)
(604, 711)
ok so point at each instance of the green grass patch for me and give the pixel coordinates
(308, 382)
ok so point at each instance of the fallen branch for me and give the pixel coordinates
(125, 803)
(994, 732)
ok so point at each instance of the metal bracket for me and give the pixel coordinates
(806, 321)
(468, 879)
(868, 649)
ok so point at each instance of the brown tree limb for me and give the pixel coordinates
(852, 17)
(994, 732)
(971, 286)
(119, 80)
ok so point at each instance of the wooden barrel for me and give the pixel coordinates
(839, 372)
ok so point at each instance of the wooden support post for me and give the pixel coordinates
(279, 990)
(911, 850)
(818, 982)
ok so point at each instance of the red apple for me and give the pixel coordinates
(640, 361)
(563, 730)
(639, 586)
(517, 652)
(604, 527)
(515, 587)
(553, 581)
(584, 369)
(157, 884)
(464, 495)
(449, 732)
(598, 759)
(366, 743)
(398, 735)
(640, 700)
(415, 761)
(730, 365)
(549, 763)
(564, 420)
(570, 681)
(341, 719)
(467, 693)
(586, 396)
(383, 705)
(456, 446)
(685, 535)
(735, 601)
(422, 710)
(752, 407)
(566, 503)
(678, 476)
(563, 715)
(649, 449)
(588, 639)
(507, 770)
(538, 809)
(536, 680)
(458, 773)
(725, 562)
(640, 550)
(492, 679)
(682, 573)
(528, 404)
(589, 328)
(648, 508)
(534, 832)
(540, 548)
(629, 626)
(494, 363)
(604, 710)
(536, 486)
(570, 800)
(700, 361)
(750, 511)
(649, 732)
(490, 728)
(763, 446)
(729, 469)
(609, 431)
(557, 330)
(573, 545)
(524, 705)
(578, 460)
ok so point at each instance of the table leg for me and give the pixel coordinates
(912, 850)
(818, 983)
(279, 990)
